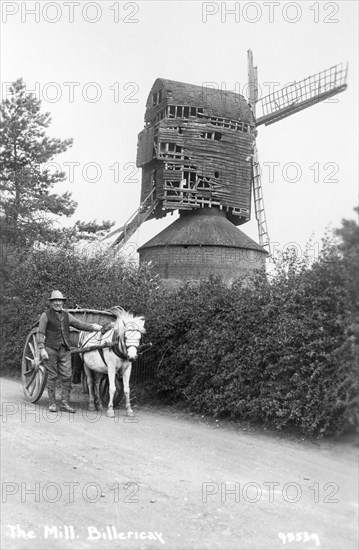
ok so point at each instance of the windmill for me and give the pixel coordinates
(199, 156)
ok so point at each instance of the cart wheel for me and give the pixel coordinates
(33, 371)
(104, 390)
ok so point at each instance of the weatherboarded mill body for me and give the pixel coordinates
(195, 154)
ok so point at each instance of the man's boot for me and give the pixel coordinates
(65, 396)
(52, 401)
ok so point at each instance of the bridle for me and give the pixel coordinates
(120, 346)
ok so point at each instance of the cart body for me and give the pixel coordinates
(33, 370)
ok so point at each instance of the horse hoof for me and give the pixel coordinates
(110, 414)
(130, 413)
(99, 407)
(91, 408)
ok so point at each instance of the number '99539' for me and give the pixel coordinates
(303, 536)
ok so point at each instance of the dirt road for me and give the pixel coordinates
(167, 481)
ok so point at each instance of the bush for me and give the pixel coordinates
(280, 351)
(89, 281)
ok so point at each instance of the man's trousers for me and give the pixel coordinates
(59, 366)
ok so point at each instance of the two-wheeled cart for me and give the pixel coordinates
(33, 370)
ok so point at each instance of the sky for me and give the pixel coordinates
(93, 64)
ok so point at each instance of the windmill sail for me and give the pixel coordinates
(299, 95)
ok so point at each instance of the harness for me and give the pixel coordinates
(100, 350)
(114, 348)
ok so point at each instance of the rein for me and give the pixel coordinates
(74, 351)
(116, 345)
(113, 346)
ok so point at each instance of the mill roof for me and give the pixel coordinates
(204, 227)
(215, 102)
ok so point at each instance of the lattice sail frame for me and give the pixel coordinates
(294, 97)
(299, 95)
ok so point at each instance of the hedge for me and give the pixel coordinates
(88, 280)
(280, 350)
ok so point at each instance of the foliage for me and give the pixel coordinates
(89, 280)
(89, 230)
(279, 350)
(27, 202)
(349, 250)
(29, 208)
(282, 351)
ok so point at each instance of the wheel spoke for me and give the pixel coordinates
(35, 344)
(32, 350)
(37, 382)
(32, 378)
(30, 386)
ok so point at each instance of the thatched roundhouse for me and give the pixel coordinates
(200, 244)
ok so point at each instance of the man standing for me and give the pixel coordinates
(54, 344)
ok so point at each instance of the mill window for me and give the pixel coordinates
(156, 98)
(211, 135)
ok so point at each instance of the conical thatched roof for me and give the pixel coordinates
(203, 227)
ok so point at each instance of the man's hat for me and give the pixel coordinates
(57, 295)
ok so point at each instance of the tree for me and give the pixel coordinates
(349, 248)
(28, 207)
(88, 230)
(27, 203)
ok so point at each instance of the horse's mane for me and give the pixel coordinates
(138, 322)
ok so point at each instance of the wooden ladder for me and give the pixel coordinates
(133, 223)
(264, 240)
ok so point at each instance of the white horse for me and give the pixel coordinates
(123, 337)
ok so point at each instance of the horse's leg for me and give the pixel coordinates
(126, 388)
(89, 378)
(98, 402)
(112, 388)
